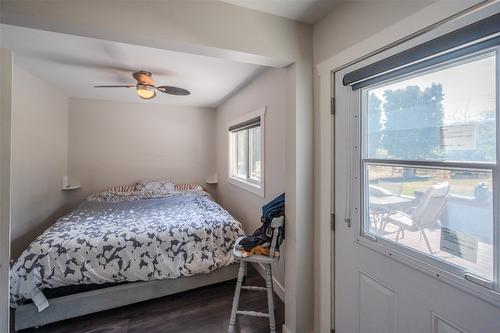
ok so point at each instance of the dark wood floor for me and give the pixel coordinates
(202, 310)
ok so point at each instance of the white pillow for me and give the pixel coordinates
(155, 185)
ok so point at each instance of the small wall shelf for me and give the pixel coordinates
(66, 186)
(212, 180)
(71, 187)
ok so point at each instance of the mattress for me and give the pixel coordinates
(126, 238)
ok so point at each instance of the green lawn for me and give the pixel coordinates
(463, 187)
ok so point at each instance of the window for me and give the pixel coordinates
(246, 158)
(428, 158)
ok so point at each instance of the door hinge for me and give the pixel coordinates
(332, 105)
(332, 221)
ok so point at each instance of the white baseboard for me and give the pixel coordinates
(278, 288)
(287, 330)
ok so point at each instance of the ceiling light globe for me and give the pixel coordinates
(145, 91)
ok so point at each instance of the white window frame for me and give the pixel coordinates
(248, 184)
(446, 165)
(411, 258)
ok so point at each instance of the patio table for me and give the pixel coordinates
(381, 206)
(389, 202)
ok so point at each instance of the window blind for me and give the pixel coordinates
(251, 123)
(475, 37)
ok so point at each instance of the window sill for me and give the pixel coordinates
(248, 186)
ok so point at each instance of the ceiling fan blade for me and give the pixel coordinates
(117, 86)
(173, 90)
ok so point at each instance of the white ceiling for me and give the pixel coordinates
(75, 64)
(308, 11)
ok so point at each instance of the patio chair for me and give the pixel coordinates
(426, 213)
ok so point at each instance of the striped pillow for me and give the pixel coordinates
(123, 188)
(188, 187)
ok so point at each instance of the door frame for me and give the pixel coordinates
(5, 140)
(413, 26)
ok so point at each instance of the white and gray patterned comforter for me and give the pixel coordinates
(127, 238)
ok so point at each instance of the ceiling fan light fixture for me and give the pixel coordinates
(145, 91)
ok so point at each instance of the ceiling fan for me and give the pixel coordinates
(146, 88)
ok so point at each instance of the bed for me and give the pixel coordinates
(145, 244)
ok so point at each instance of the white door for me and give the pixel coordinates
(417, 237)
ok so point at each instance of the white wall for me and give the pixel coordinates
(118, 143)
(354, 21)
(39, 157)
(269, 90)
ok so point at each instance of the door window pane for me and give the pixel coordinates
(444, 213)
(444, 114)
(242, 154)
(255, 164)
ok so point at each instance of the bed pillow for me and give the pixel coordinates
(123, 188)
(155, 185)
(188, 187)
